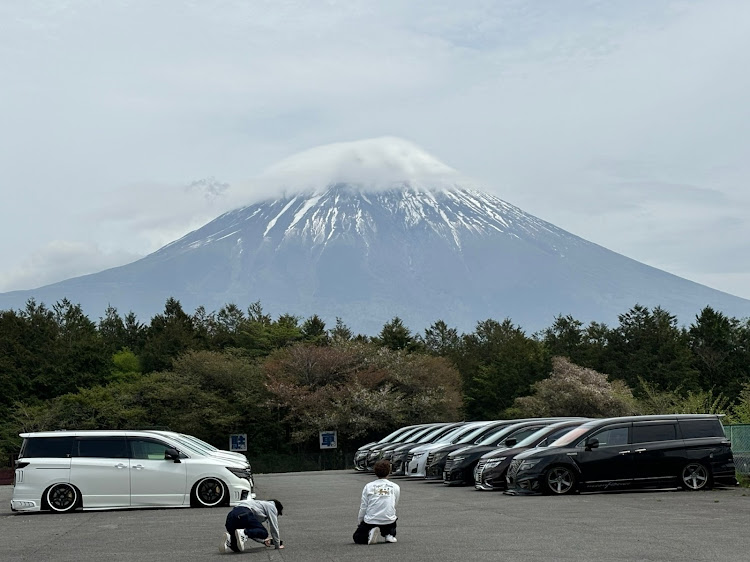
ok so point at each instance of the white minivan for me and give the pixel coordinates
(60, 471)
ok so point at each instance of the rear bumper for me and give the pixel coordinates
(21, 505)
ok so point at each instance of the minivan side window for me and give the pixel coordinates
(144, 448)
(654, 432)
(692, 429)
(608, 436)
(102, 447)
(47, 447)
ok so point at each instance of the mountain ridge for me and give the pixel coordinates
(366, 255)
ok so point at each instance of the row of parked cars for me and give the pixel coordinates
(61, 471)
(561, 455)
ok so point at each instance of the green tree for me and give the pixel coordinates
(395, 336)
(498, 363)
(169, 335)
(721, 352)
(649, 344)
(441, 340)
(341, 332)
(314, 330)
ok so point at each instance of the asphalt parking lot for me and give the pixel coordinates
(436, 523)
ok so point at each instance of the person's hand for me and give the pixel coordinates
(267, 542)
(281, 546)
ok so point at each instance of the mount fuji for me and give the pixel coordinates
(375, 229)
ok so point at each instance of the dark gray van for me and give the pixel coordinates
(687, 450)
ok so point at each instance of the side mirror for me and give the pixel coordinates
(592, 444)
(172, 454)
(511, 442)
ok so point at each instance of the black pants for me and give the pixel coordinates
(243, 518)
(362, 533)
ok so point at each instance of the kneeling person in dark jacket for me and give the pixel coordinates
(245, 522)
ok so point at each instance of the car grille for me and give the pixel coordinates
(430, 459)
(513, 470)
(409, 457)
(448, 464)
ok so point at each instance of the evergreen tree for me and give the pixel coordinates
(314, 330)
(721, 353)
(648, 344)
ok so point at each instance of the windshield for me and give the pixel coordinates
(570, 437)
(454, 433)
(198, 442)
(437, 434)
(495, 436)
(388, 438)
(472, 435)
(188, 445)
(531, 439)
(423, 436)
(545, 436)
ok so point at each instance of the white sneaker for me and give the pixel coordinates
(372, 538)
(226, 545)
(390, 538)
(241, 539)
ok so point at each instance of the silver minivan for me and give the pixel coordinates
(61, 471)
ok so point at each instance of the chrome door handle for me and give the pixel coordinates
(138, 466)
(624, 452)
(639, 450)
(120, 465)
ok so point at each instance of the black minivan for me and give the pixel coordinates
(687, 450)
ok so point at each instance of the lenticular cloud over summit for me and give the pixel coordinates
(371, 164)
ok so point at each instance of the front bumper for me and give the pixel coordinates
(455, 476)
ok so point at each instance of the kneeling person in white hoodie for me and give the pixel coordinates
(377, 511)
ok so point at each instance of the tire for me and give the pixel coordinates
(62, 498)
(695, 476)
(209, 492)
(560, 480)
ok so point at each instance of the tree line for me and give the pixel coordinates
(283, 380)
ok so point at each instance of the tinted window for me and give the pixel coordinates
(50, 447)
(655, 432)
(103, 447)
(610, 436)
(151, 449)
(692, 429)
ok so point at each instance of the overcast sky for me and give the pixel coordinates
(124, 125)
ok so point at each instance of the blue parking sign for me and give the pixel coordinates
(238, 442)
(328, 440)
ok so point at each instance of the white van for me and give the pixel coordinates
(60, 471)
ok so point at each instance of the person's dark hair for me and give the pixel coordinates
(279, 507)
(382, 468)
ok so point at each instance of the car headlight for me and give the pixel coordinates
(526, 465)
(241, 472)
(439, 457)
(457, 459)
(417, 455)
(493, 462)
